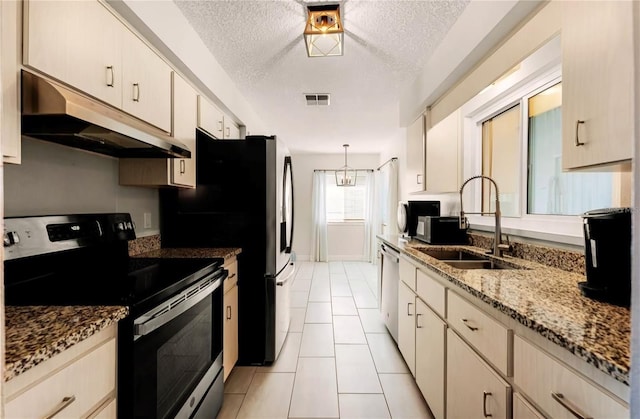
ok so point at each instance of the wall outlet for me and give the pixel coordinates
(147, 220)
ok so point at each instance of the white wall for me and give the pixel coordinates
(303, 167)
(55, 179)
(346, 241)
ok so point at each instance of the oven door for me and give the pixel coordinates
(177, 353)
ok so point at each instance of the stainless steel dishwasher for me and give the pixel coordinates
(389, 288)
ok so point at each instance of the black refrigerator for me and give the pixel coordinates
(243, 198)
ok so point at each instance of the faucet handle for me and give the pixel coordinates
(463, 222)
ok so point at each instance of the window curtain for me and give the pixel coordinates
(370, 219)
(319, 244)
(387, 198)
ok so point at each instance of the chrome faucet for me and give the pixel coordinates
(498, 247)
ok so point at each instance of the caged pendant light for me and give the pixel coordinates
(346, 176)
(323, 33)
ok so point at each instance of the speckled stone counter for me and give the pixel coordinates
(546, 300)
(204, 253)
(37, 333)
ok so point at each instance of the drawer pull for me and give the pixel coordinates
(409, 312)
(418, 321)
(578, 142)
(484, 404)
(60, 407)
(472, 328)
(111, 83)
(575, 411)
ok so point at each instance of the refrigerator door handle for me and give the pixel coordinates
(286, 276)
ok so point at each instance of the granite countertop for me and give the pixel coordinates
(207, 253)
(546, 300)
(36, 333)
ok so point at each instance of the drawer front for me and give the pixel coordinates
(430, 291)
(232, 278)
(408, 273)
(540, 376)
(523, 409)
(89, 379)
(488, 336)
(474, 389)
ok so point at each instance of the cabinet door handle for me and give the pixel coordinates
(466, 323)
(575, 411)
(419, 179)
(231, 276)
(228, 132)
(418, 321)
(60, 407)
(408, 306)
(578, 142)
(220, 126)
(484, 404)
(228, 312)
(136, 92)
(113, 77)
(182, 167)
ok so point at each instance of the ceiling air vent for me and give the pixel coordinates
(317, 99)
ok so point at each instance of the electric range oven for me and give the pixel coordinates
(169, 347)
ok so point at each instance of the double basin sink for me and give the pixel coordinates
(462, 259)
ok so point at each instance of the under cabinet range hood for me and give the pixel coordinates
(53, 112)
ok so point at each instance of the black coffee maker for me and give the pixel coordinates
(607, 237)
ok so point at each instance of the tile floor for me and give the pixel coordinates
(338, 360)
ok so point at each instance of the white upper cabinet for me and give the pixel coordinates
(442, 159)
(231, 129)
(82, 44)
(415, 155)
(179, 172)
(597, 82)
(210, 118)
(146, 80)
(78, 43)
(10, 53)
(185, 119)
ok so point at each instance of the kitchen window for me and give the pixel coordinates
(512, 133)
(346, 203)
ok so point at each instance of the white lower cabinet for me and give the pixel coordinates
(522, 409)
(431, 333)
(474, 390)
(407, 325)
(560, 392)
(79, 382)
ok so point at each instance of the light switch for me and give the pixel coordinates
(147, 220)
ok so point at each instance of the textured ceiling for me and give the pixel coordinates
(386, 43)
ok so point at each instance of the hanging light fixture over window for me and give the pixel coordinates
(324, 32)
(346, 176)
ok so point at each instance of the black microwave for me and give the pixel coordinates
(408, 213)
(440, 230)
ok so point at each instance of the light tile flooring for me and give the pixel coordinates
(338, 360)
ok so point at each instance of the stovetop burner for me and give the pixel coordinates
(83, 260)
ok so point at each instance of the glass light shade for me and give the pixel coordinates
(345, 176)
(323, 34)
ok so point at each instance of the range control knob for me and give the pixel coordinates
(11, 238)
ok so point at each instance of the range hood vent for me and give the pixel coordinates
(53, 112)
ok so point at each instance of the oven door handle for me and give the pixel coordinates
(177, 305)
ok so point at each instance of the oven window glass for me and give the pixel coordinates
(171, 361)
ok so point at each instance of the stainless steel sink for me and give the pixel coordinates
(462, 259)
(477, 264)
(442, 254)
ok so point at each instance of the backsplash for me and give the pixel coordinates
(144, 244)
(557, 258)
